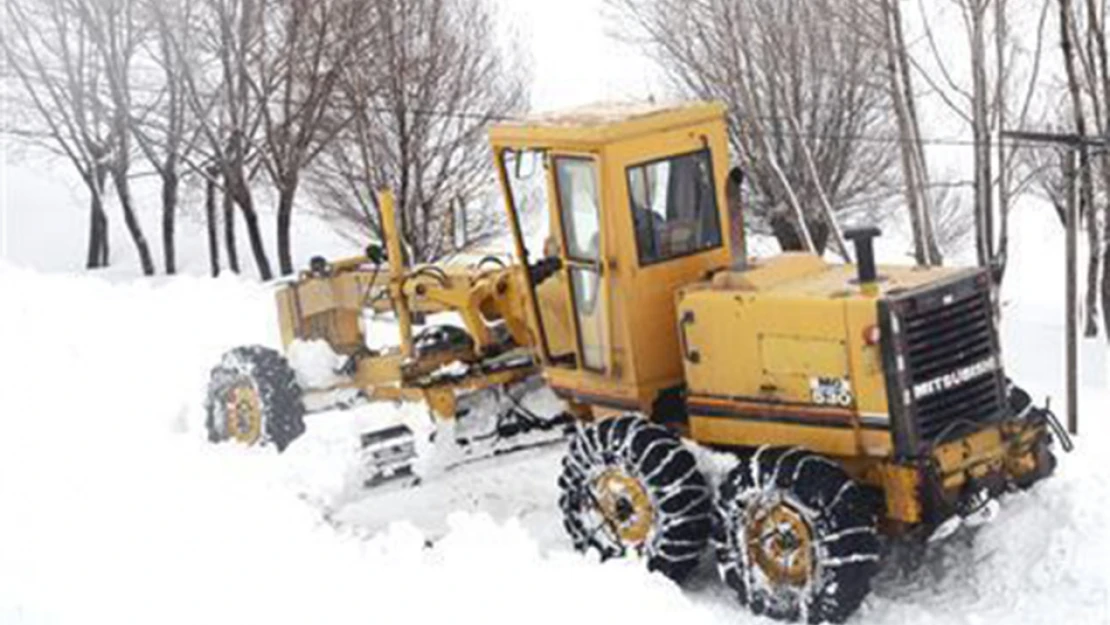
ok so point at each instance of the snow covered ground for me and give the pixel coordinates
(115, 508)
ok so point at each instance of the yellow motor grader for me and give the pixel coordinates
(856, 402)
(853, 403)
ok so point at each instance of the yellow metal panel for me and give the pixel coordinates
(865, 360)
(771, 272)
(805, 275)
(804, 356)
(288, 319)
(315, 296)
(900, 488)
(825, 440)
(727, 333)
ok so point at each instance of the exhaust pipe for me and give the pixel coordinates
(866, 274)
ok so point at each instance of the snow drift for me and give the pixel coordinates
(116, 509)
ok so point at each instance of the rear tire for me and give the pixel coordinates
(630, 488)
(254, 398)
(795, 537)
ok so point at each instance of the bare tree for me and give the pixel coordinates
(1069, 38)
(1092, 55)
(997, 97)
(1096, 31)
(798, 77)
(417, 121)
(51, 54)
(881, 22)
(224, 103)
(116, 32)
(309, 43)
(163, 126)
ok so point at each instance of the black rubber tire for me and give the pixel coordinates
(280, 397)
(680, 496)
(841, 518)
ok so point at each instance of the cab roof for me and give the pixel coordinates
(597, 124)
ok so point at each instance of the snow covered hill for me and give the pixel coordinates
(116, 509)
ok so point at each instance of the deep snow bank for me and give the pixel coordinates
(115, 509)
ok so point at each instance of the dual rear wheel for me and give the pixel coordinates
(793, 536)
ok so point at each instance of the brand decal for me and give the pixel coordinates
(955, 378)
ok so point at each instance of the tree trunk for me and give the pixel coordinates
(918, 166)
(902, 117)
(284, 224)
(169, 216)
(1001, 34)
(123, 191)
(1097, 30)
(229, 231)
(1090, 212)
(98, 222)
(210, 224)
(1086, 192)
(984, 212)
(98, 233)
(254, 234)
(1106, 278)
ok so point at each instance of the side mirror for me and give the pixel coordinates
(376, 254)
(736, 177)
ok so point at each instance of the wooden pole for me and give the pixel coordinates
(1071, 272)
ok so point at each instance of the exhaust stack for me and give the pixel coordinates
(863, 239)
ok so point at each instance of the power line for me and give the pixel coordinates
(1009, 138)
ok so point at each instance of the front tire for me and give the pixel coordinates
(795, 537)
(630, 488)
(253, 398)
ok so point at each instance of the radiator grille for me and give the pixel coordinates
(952, 373)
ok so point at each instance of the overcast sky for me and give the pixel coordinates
(573, 60)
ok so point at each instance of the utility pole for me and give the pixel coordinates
(1070, 175)
(1074, 143)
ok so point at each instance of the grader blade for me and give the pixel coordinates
(491, 422)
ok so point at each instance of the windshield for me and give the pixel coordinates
(524, 171)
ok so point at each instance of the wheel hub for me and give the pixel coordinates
(624, 503)
(780, 543)
(244, 413)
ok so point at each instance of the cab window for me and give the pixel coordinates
(674, 207)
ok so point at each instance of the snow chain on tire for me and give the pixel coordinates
(630, 488)
(261, 380)
(794, 536)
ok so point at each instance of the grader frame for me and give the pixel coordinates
(327, 302)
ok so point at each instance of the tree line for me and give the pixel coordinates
(325, 99)
(331, 99)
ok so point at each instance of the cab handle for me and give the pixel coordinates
(691, 355)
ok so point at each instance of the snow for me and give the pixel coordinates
(118, 510)
(315, 364)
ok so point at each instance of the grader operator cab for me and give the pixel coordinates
(857, 402)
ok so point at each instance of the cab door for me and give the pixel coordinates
(555, 202)
(577, 196)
